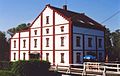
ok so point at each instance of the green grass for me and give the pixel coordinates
(6, 73)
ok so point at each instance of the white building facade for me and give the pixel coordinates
(59, 36)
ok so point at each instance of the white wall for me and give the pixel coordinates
(12, 55)
(16, 35)
(27, 44)
(50, 56)
(58, 29)
(74, 56)
(58, 57)
(38, 32)
(74, 41)
(37, 23)
(50, 43)
(50, 30)
(33, 43)
(58, 42)
(12, 44)
(24, 34)
(87, 31)
(47, 12)
(59, 19)
(26, 55)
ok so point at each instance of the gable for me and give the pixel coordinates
(16, 35)
(60, 19)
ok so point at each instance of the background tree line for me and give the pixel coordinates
(112, 42)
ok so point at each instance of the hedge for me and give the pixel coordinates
(6, 73)
(31, 68)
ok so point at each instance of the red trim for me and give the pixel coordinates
(70, 42)
(41, 34)
(19, 47)
(10, 49)
(53, 37)
(29, 41)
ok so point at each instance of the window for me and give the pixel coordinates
(24, 56)
(47, 31)
(89, 42)
(47, 19)
(47, 56)
(35, 31)
(62, 28)
(62, 57)
(24, 43)
(35, 43)
(62, 41)
(78, 41)
(100, 43)
(47, 42)
(77, 57)
(14, 56)
(14, 43)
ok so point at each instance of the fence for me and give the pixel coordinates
(89, 68)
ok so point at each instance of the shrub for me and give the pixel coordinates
(6, 73)
(31, 68)
(5, 65)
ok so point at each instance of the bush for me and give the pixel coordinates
(6, 73)
(31, 68)
(5, 65)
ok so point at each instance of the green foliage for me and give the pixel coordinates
(6, 73)
(31, 68)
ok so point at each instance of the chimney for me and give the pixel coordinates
(65, 7)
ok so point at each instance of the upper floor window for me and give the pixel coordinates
(62, 57)
(47, 42)
(89, 42)
(62, 41)
(77, 57)
(100, 43)
(47, 56)
(24, 56)
(35, 43)
(14, 56)
(35, 31)
(47, 19)
(47, 31)
(24, 43)
(78, 41)
(14, 43)
(62, 28)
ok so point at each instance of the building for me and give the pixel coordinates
(59, 36)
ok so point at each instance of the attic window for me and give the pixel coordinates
(91, 23)
(81, 21)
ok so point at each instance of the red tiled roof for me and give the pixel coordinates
(79, 19)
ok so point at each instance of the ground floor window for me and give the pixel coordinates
(78, 57)
(24, 54)
(14, 56)
(47, 56)
(62, 57)
(34, 56)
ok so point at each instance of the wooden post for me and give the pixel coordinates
(104, 71)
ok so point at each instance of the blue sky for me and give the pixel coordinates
(14, 12)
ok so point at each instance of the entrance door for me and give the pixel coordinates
(34, 56)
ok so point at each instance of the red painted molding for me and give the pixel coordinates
(19, 47)
(41, 35)
(29, 42)
(70, 42)
(53, 37)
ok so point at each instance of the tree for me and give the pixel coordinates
(4, 47)
(115, 37)
(20, 27)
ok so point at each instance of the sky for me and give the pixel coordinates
(15, 12)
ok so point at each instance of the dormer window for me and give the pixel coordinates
(47, 31)
(62, 28)
(47, 19)
(35, 31)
